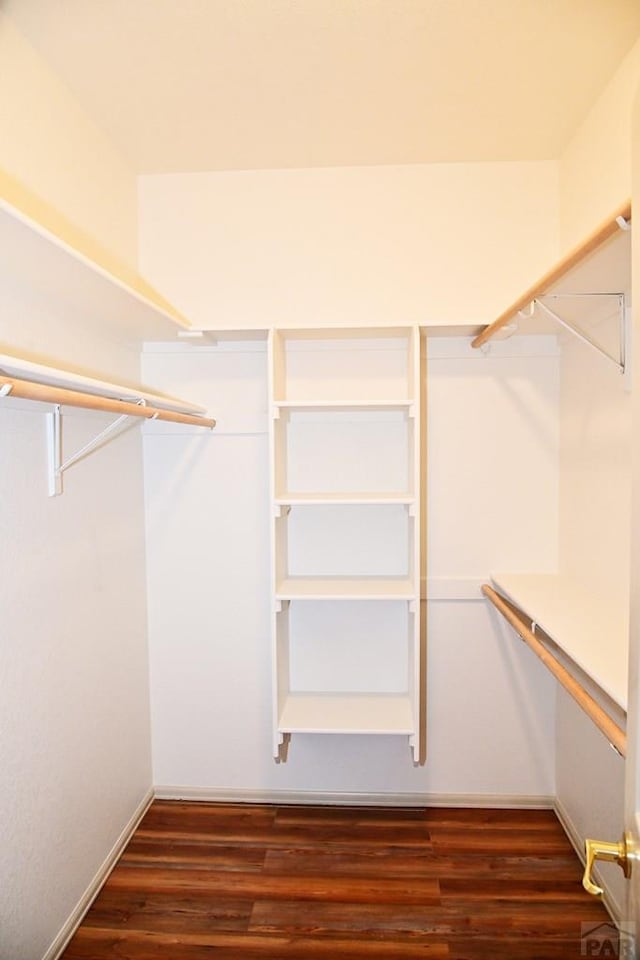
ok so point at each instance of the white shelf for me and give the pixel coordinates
(71, 274)
(346, 588)
(344, 405)
(11, 366)
(591, 628)
(339, 333)
(355, 713)
(347, 499)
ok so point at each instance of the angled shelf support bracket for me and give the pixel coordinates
(539, 302)
(56, 465)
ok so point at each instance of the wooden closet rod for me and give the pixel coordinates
(599, 236)
(28, 390)
(616, 737)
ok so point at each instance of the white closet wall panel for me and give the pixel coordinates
(75, 742)
(595, 531)
(490, 706)
(493, 457)
(370, 542)
(207, 549)
(595, 476)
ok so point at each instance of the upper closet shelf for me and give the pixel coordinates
(43, 374)
(590, 628)
(355, 406)
(71, 274)
(25, 380)
(586, 287)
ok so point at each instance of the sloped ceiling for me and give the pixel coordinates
(187, 85)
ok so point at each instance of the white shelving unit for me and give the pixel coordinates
(345, 503)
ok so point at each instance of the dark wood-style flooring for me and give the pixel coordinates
(202, 881)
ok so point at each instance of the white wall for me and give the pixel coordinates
(490, 704)
(595, 166)
(590, 789)
(50, 144)
(595, 484)
(437, 244)
(595, 511)
(74, 708)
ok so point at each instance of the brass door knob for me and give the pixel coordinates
(603, 850)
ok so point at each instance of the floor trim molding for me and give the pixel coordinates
(230, 795)
(77, 916)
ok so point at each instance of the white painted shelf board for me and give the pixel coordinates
(54, 377)
(68, 279)
(338, 333)
(381, 713)
(345, 588)
(346, 405)
(327, 499)
(592, 631)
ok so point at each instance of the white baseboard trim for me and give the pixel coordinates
(577, 841)
(223, 795)
(64, 936)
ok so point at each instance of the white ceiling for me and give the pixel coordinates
(184, 85)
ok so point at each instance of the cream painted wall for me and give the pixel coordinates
(431, 244)
(590, 788)
(49, 143)
(595, 510)
(595, 167)
(595, 472)
(74, 709)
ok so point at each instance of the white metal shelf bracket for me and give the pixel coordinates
(56, 465)
(620, 360)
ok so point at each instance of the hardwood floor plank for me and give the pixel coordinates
(499, 817)
(487, 841)
(507, 948)
(250, 886)
(96, 944)
(470, 817)
(182, 854)
(169, 913)
(449, 919)
(294, 836)
(549, 888)
(345, 861)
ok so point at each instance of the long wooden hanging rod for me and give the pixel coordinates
(614, 734)
(606, 230)
(28, 390)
